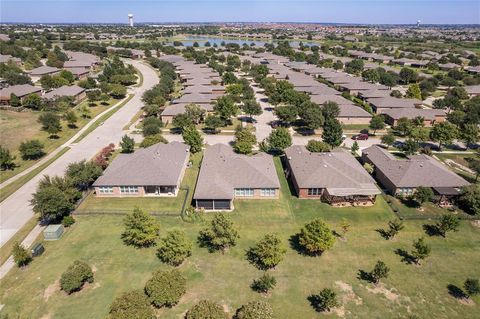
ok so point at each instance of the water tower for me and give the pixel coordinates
(418, 23)
(130, 19)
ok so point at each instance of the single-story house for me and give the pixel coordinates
(5, 58)
(226, 175)
(172, 110)
(37, 73)
(379, 105)
(153, 171)
(403, 176)
(21, 91)
(430, 116)
(335, 177)
(79, 73)
(473, 90)
(373, 93)
(74, 91)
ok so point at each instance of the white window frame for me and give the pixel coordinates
(129, 189)
(314, 191)
(267, 192)
(244, 192)
(105, 189)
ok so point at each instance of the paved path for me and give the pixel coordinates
(15, 211)
(262, 125)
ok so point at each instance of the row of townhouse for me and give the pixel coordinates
(23, 90)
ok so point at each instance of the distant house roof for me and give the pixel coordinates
(175, 109)
(417, 170)
(223, 170)
(321, 99)
(157, 165)
(352, 110)
(374, 93)
(320, 89)
(78, 71)
(19, 90)
(5, 58)
(391, 102)
(473, 89)
(337, 171)
(411, 113)
(65, 90)
(77, 64)
(43, 70)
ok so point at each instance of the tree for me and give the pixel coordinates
(423, 194)
(225, 108)
(408, 75)
(377, 123)
(221, 234)
(82, 174)
(404, 126)
(195, 113)
(279, 139)
(152, 140)
(447, 223)
(332, 132)
(355, 66)
(6, 159)
(286, 113)
(394, 227)
(127, 144)
(76, 276)
(151, 126)
(85, 111)
(470, 199)
(264, 284)
(21, 256)
(421, 250)
(31, 150)
(472, 287)
(192, 138)
(174, 248)
(410, 147)
(32, 101)
(267, 253)
(132, 304)
(330, 110)
(318, 146)
(469, 134)
(50, 123)
(213, 122)
(255, 310)
(182, 121)
(165, 288)
(380, 271)
(117, 91)
(311, 115)
(206, 309)
(71, 118)
(325, 300)
(414, 92)
(244, 140)
(444, 133)
(93, 96)
(15, 100)
(141, 229)
(316, 237)
(252, 107)
(354, 149)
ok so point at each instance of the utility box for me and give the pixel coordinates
(53, 232)
(37, 249)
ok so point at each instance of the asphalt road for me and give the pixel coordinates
(15, 211)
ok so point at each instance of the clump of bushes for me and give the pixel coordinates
(76, 276)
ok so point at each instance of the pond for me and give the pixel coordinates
(201, 40)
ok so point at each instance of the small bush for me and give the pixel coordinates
(165, 288)
(75, 276)
(68, 221)
(133, 304)
(21, 256)
(264, 284)
(206, 309)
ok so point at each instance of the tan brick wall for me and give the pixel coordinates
(354, 120)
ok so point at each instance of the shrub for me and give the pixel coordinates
(255, 310)
(31, 150)
(133, 304)
(68, 221)
(318, 146)
(174, 248)
(221, 235)
(316, 237)
(267, 253)
(165, 288)
(472, 286)
(21, 256)
(75, 276)
(141, 229)
(264, 284)
(206, 309)
(325, 300)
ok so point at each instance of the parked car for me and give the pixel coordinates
(360, 137)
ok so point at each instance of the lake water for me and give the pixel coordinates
(201, 40)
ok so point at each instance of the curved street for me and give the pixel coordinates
(15, 211)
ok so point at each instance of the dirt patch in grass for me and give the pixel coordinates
(381, 289)
(466, 301)
(50, 290)
(349, 295)
(47, 316)
(476, 223)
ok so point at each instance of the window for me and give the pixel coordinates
(128, 189)
(105, 190)
(267, 192)
(314, 191)
(244, 192)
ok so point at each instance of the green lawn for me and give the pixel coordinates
(16, 127)
(226, 278)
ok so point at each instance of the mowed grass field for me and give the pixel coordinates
(409, 290)
(17, 127)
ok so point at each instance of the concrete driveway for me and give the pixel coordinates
(15, 211)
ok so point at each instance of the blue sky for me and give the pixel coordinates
(341, 11)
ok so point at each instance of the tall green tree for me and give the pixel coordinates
(380, 271)
(420, 250)
(267, 253)
(50, 123)
(192, 138)
(127, 144)
(316, 237)
(447, 222)
(141, 229)
(332, 132)
(21, 256)
(6, 159)
(279, 139)
(221, 234)
(174, 248)
(244, 140)
(444, 133)
(377, 123)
